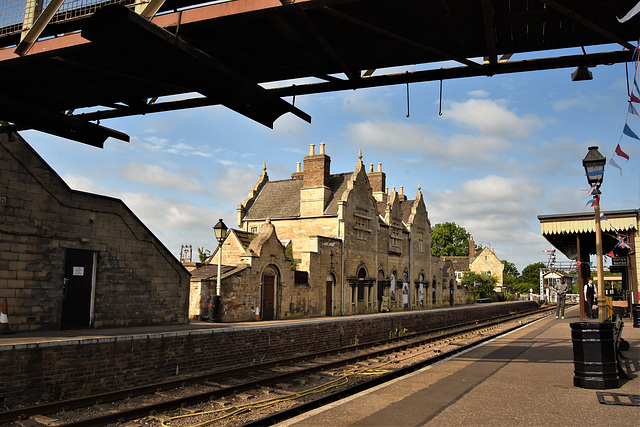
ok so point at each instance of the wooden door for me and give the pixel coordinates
(77, 290)
(268, 297)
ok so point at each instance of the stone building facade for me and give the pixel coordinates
(70, 259)
(349, 246)
(484, 261)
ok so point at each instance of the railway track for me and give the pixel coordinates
(266, 393)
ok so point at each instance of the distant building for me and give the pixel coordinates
(348, 246)
(484, 262)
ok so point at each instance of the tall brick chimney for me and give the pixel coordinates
(378, 182)
(472, 248)
(315, 192)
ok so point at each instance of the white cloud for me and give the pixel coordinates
(82, 183)
(496, 211)
(367, 103)
(159, 177)
(492, 118)
(479, 93)
(176, 222)
(420, 140)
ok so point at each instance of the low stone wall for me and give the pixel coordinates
(71, 368)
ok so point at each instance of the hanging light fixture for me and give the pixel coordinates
(581, 73)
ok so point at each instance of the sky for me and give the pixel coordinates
(504, 150)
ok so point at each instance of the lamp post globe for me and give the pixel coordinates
(593, 164)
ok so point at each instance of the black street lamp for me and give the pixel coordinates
(593, 164)
(220, 230)
(594, 354)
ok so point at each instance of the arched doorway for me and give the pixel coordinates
(269, 293)
(331, 280)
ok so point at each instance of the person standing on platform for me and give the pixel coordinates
(590, 291)
(561, 291)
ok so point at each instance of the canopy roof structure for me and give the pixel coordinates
(566, 231)
(113, 62)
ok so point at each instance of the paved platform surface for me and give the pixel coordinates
(524, 378)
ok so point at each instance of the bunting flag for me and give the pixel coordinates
(621, 153)
(632, 110)
(627, 131)
(613, 163)
(633, 12)
(634, 98)
(611, 254)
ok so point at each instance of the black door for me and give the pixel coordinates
(78, 282)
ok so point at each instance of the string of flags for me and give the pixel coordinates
(619, 153)
(593, 199)
(593, 192)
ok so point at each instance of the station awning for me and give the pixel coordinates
(562, 230)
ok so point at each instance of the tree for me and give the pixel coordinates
(203, 254)
(530, 278)
(510, 270)
(449, 239)
(485, 283)
(509, 276)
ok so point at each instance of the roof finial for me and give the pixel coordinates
(419, 187)
(264, 166)
(360, 154)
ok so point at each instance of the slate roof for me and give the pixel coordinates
(278, 199)
(460, 263)
(281, 199)
(406, 210)
(244, 237)
(209, 271)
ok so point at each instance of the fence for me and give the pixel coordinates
(18, 15)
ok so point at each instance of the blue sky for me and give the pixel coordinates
(506, 149)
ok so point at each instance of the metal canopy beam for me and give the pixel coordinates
(131, 41)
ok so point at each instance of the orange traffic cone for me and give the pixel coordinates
(257, 313)
(4, 319)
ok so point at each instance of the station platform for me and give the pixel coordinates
(524, 378)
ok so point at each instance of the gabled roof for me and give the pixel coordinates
(281, 199)
(244, 237)
(210, 271)
(278, 199)
(460, 263)
(406, 207)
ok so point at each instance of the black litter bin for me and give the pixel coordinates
(635, 312)
(594, 355)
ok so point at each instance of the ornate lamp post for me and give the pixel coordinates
(594, 167)
(220, 230)
(594, 355)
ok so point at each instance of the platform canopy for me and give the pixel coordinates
(566, 231)
(66, 74)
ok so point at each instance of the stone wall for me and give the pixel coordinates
(136, 280)
(67, 369)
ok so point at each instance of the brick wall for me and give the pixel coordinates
(137, 281)
(67, 369)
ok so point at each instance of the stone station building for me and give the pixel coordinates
(326, 245)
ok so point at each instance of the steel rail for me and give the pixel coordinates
(418, 338)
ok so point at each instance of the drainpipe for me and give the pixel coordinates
(410, 274)
(341, 262)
